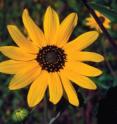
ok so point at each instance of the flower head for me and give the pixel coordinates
(19, 115)
(48, 60)
(90, 21)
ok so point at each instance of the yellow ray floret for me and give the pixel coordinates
(90, 21)
(46, 60)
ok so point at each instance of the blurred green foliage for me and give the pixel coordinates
(10, 101)
(108, 12)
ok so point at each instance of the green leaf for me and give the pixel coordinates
(111, 14)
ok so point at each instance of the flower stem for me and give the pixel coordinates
(92, 12)
(45, 112)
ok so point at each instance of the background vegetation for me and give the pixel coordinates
(96, 107)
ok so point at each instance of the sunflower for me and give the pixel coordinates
(48, 61)
(90, 21)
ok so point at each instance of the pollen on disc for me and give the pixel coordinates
(51, 58)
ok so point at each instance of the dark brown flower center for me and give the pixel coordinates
(102, 19)
(51, 58)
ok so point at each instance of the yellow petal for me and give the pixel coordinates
(25, 76)
(85, 56)
(82, 41)
(33, 30)
(55, 88)
(70, 91)
(66, 28)
(51, 24)
(21, 40)
(80, 80)
(37, 89)
(83, 69)
(107, 24)
(11, 66)
(16, 53)
(97, 13)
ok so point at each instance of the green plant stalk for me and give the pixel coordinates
(45, 112)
